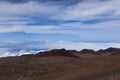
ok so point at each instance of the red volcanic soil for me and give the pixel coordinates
(61, 64)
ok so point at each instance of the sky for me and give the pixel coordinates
(49, 24)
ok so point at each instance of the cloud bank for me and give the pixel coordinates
(82, 10)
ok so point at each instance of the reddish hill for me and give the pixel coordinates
(56, 53)
(87, 51)
(110, 50)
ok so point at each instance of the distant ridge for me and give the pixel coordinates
(72, 53)
(110, 50)
(87, 51)
(56, 53)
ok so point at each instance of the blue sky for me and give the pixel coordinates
(70, 24)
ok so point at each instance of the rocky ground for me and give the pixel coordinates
(101, 67)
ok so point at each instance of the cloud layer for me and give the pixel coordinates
(83, 10)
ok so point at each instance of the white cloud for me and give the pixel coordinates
(93, 9)
(5, 52)
(13, 16)
(24, 9)
(100, 31)
(27, 29)
(80, 11)
(21, 13)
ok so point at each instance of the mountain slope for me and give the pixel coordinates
(60, 64)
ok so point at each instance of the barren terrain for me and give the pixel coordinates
(101, 67)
